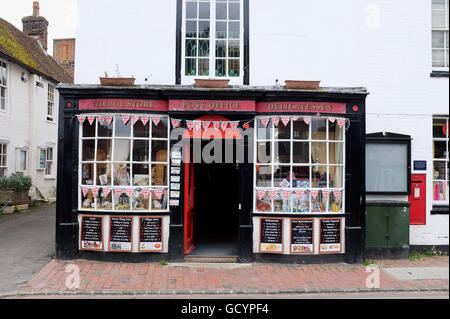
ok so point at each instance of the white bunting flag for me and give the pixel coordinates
(307, 120)
(216, 126)
(156, 120)
(130, 192)
(234, 125)
(146, 193)
(332, 119)
(325, 195)
(91, 119)
(125, 119)
(341, 122)
(176, 123)
(224, 126)
(286, 195)
(295, 118)
(206, 124)
(337, 195)
(285, 120)
(145, 120)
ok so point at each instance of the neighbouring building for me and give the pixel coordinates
(302, 194)
(64, 54)
(29, 104)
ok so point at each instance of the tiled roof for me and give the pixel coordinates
(26, 51)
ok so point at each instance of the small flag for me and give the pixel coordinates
(130, 192)
(325, 195)
(125, 119)
(332, 119)
(234, 125)
(190, 125)
(118, 192)
(106, 192)
(276, 121)
(295, 118)
(223, 126)
(134, 119)
(286, 195)
(91, 119)
(314, 194)
(285, 120)
(94, 192)
(216, 126)
(265, 121)
(101, 119)
(261, 194)
(206, 124)
(197, 125)
(175, 123)
(341, 122)
(156, 120)
(146, 193)
(85, 191)
(145, 120)
(159, 193)
(109, 118)
(275, 195)
(307, 120)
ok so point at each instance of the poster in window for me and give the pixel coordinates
(121, 234)
(42, 159)
(271, 235)
(91, 233)
(330, 235)
(150, 234)
(302, 236)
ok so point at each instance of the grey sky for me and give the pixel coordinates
(62, 16)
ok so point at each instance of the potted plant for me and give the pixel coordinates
(14, 189)
(117, 81)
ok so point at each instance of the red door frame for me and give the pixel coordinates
(188, 204)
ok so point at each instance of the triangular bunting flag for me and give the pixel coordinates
(325, 194)
(159, 193)
(197, 125)
(286, 195)
(101, 119)
(206, 124)
(91, 119)
(307, 120)
(118, 192)
(234, 125)
(156, 120)
(275, 195)
(176, 123)
(134, 119)
(146, 193)
(130, 192)
(276, 121)
(314, 194)
(295, 118)
(94, 192)
(81, 118)
(125, 119)
(216, 126)
(145, 120)
(341, 122)
(190, 125)
(332, 119)
(265, 121)
(285, 120)
(109, 119)
(85, 191)
(106, 192)
(260, 194)
(224, 126)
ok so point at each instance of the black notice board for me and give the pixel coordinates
(330, 231)
(92, 228)
(151, 230)
(121, 229)
(302, 232)
(271, 231)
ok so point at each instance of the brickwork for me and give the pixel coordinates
(64, 54)
(36, 26)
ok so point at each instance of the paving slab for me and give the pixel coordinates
(418, 273)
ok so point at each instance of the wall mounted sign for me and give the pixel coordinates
(420, 165)
(330, 235)
(271, 235)
(150, 234)
(121, 234)
(91, 233)
(302, 236)
(123, 104)
(308, 107)
(212, 105)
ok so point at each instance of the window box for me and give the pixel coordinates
(117, 81)
(212, 83)
(302, 85)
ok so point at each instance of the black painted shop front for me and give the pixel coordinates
(133, 185)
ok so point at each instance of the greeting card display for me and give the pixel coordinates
(121, 233)
(91, 233)
(271, 235)
(150, 234)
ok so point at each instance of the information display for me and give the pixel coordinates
(121, 234)
(330, 235)
(302, 236)
(151, 234)
(91, 233)
(271, 235)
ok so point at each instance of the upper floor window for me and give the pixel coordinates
(51, 102)
(440, 160)
(213, 38)
(440, 34)
(3, 85)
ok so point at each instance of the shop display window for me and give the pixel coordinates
(124, 166)
(299, 165)
(440, 161)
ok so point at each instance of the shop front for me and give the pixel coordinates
(164, 172)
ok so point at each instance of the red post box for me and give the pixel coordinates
(418, 199)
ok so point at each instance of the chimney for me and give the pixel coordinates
(36, 26)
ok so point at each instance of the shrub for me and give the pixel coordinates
(17, 182)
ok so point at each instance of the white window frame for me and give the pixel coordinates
(4, 86)
(50, 102)
(212, 48)
(19, 152)
(47, 161)
(273, 165)
(445, 160)
(4, 158)
(446, 34)
(112, 162)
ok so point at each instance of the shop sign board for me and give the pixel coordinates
(212, 105)
(306, 107)
(121, 234)
(330, 235)
(91, 233)
(302, 236)
(271, 235)
(150, 234)
(123, 104)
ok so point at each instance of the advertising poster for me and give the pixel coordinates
(271, 235)
(121, 234)
(302, 236)
(330, 235)
(91, 233)
(150, 234)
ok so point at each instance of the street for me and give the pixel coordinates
(27, 243)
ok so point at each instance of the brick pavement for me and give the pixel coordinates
(153, 278)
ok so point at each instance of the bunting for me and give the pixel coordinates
(145, 120)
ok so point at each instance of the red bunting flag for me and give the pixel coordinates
(325, 194)
(286, 195)
(91, 119)
(276, 121)
(156, 120)
(206, 124)
(275, 195)
(314, 194)
(109, 119)
(223, 126)
(190, 125)
(307, 120)
(332, 119)
(146, 193)
(94, 192)
(101, 119)
(145, 120)
(265, 121)
(234, 125)
(125, 119)
(216, 126)
(130, 192)
(197, 125)
(341, 122)
(118, 192)
(260, 194)
(176, 123)
(81, 119)
(106, 192)
(85, 191)
(134, 119)
(285, 120)
(159, 193)
(337, 194)
(295, 118)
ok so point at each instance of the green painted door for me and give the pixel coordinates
(376, 226)
(398, 227)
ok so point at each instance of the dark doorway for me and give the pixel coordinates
(216, 218)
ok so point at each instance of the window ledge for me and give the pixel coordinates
(439, 210)
(49, 178)
(439, 74)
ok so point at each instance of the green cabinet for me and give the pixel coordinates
(387, 224)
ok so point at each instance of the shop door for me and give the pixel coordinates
(188, 208)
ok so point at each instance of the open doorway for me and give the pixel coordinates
(216, 217)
